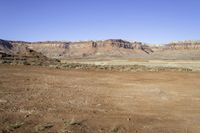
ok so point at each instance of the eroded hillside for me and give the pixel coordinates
(82, 49)
(20, 53)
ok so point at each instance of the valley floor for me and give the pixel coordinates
(193, 65)
(36, 99)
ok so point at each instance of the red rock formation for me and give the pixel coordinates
(89, 48)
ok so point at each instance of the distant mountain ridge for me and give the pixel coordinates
(104, 48)
(111, 47)
(184, 45)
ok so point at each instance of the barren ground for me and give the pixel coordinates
(35, 99)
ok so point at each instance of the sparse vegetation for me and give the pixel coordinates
(43, 127)
(16, 125)
(115, 129)
(74, 122)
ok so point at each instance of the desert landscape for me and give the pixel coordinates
(99, 87)
(99, 66)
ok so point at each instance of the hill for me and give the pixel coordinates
(112, 48)
(83, 49)
(20, 53)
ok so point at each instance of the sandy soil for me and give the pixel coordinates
(35, 99)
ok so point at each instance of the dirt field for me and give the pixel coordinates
(35, 99)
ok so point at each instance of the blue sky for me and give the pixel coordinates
(150, 21)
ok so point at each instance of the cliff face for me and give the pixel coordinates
(183, 45)
(103, 48)
(14, 48)
(5, 47)
(89, 48)
(20, 53)
(180, 50)
(50, 49)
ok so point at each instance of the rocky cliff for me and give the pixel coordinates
(183, 45)
(20, 53)
(103, 48)
(112, 47)
(179, 50)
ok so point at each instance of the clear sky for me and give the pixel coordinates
(150, 21)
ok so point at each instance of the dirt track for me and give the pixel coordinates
(34, 99)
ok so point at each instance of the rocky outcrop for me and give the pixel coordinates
(112, 47)
(179, 50)
(104, 48)
(20, 53)
(183, 45)
(50, 49)
(5, 47)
